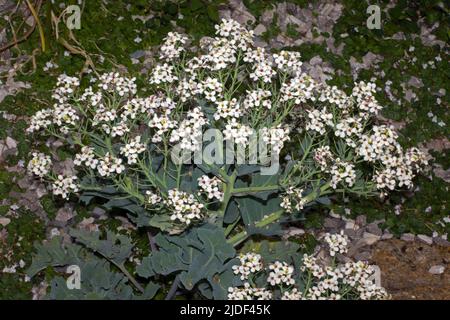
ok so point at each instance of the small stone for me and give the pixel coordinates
(370, 238)
(437, 269)
(352, 233)
(351, 225)
(331, 223)
(5, 221)
(11, 143)
(361, 220)
(259, 30)
(375, 229)
(387, 236)
(441, 242)
(355, 246)
(425, 239)
(88, 224)
(98, 212)
(334, 215)
(261, 43)
(137, 54)
(408, 237)
(64, 214)
(292, 232)
(362, 256)
(54, 232)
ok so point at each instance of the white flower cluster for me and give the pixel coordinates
(113, 82)
(221, 54)
(323, 157)
(276, 137)
(293, 200)
(65, 115)
(92, 98)
(117, 130)
(238, 132)
(367, 104)
(162, 124)
(132, 149)
(341, 282)
(65, 87)
(293, 294)
(152, 198)
(247, 292)
(186, 89)
(349, 129)
(172, 46)
(359, 275)
(398, 167)
(189, 133)
(310, 264)
(227, 109)
(211, 88)
(280, 274)
(64, 186)
(335, 96)
(250, 263)
(299, 89)
(255, 55)
(185, 207)
(104, 115)
(380, 145)
(163, 74)
(40, 120)
(337, 243)
(86, 157)
(262, 71)
(237, 35)
(322, 282)
(62, 114)
(257, 98)
(318, 120)
(288, 61)
(40, 164)
(342, 171)
(211, 186)
(109, 165)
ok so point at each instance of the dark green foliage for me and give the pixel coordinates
(201, 255)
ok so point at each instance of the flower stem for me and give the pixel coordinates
(240, 237)
(255, 189)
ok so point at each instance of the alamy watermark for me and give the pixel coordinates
(74, 280)
(374, 20)
(73, 20)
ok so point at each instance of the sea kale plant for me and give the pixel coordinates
(222, 148)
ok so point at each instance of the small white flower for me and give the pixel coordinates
(249, 263)
(337, 243)
(211, 186)
(281, 273)
(40, 164)
(63, 186)
(185, 207)
(132, 149)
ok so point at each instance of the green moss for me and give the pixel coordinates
(5, 184)
(49, 206)
(22, 233)
(291, 31)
